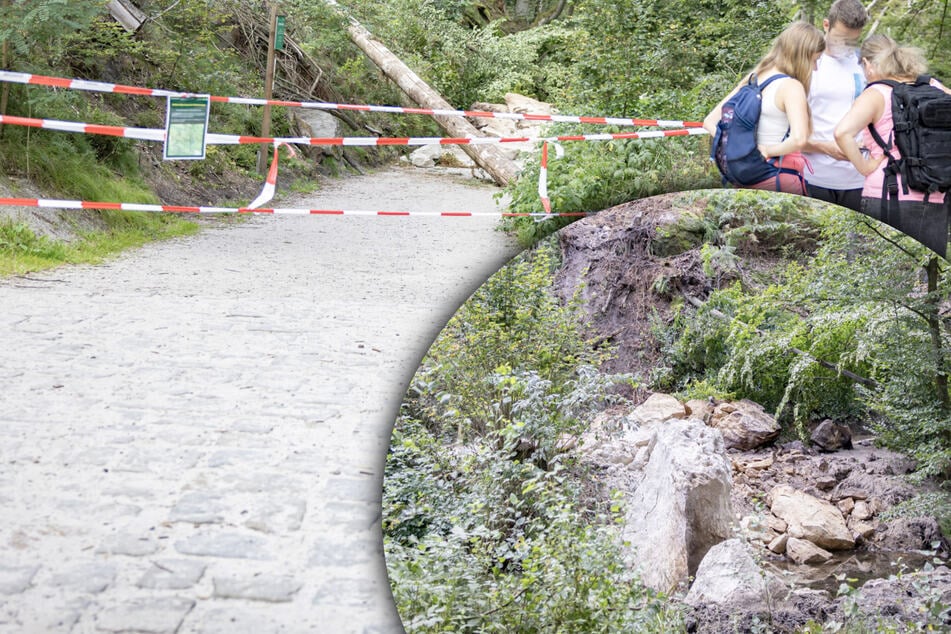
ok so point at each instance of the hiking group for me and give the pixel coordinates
(858, 124)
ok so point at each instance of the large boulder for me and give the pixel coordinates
(445, 155)
(656, 409)
(744, 424)
(728, 575)
(810, 518)
(310, 122)
(682, 507)
(803, 551)
(829, 436)
(526, 105)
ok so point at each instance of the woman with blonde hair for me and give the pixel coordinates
(908, 211)
(784, 124)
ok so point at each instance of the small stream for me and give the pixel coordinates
(857, 566)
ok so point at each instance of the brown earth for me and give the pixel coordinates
(625, 286)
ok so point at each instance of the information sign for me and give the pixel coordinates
(186, 125)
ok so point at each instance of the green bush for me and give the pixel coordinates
(488, 526)
(511, 326)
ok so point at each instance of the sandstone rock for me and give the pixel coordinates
(728, 575)
(829, 436)
(861, 511)
(811, 518)
(430, 155)
(630, 447)
(315, 123)
(862, 529)
(500, 128)
(522, 104)
(657, 408)
(803, 551)
(778, 545)
(744, 425)
(777, 524)
(862, 485)
(763, 463)
(482, 106)
(682, 506)
(700, 409)
(846, 505)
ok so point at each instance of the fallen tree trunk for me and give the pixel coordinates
(487, 157)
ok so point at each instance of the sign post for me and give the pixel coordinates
(186, 127)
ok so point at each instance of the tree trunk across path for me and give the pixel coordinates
(192, 435)
(488, 157)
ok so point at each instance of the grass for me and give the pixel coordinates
(22, 251)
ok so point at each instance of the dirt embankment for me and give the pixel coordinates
(626, 286)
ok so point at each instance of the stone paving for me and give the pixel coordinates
(192, 435)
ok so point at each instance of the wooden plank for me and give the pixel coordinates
(127, 14)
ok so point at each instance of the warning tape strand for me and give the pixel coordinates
(98, 86)
(155, 134)
(50, 203)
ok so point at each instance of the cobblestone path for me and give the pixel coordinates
(192, 435)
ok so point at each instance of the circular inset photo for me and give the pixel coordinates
(692, 412)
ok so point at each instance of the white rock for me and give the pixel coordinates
(682, 506)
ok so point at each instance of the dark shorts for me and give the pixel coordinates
(848, 198)
(925, 222)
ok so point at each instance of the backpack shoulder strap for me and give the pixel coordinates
(871, 126)
(885, 82)
(770, 80)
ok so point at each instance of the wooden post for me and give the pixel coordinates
(263, 150)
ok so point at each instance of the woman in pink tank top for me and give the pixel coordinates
(883, 58)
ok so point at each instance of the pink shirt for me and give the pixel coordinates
(884, 127)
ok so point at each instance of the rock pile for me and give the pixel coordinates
(453, 158)
(710, 496)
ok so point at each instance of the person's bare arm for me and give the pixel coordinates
(868, 108)
(824, 147)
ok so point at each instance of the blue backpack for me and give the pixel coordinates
(734, 144)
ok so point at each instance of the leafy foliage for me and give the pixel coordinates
(512, 342)
(856, 304)
(487, 527)
(35, 28)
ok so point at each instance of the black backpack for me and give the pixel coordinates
(922, 116)
(734, 147)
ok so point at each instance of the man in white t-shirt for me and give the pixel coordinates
(836, 82)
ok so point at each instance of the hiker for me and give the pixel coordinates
(903, 208)
(837, 81)
(783, 124)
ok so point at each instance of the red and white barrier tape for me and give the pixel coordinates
(270, 182)
(98, 86)
(154, 134)
(151, 134)
(82, 204)
(543, 174)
